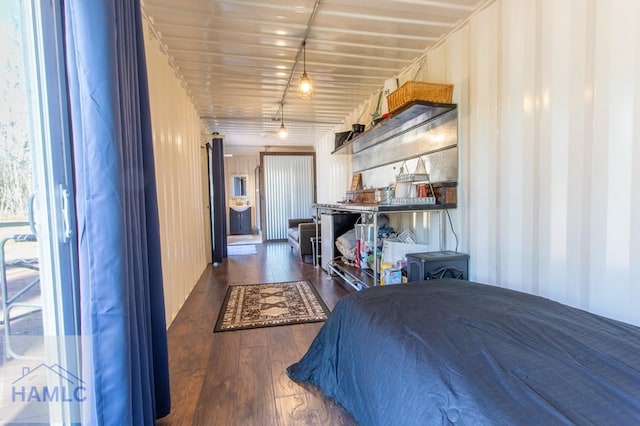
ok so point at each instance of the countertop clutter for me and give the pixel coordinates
(444, 196)
(359, 278)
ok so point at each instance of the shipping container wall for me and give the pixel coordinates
(549, 147)
(548, 101)
(333, 172)
(179, 170)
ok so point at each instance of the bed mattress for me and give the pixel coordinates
(455, 352)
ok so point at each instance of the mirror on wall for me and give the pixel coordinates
(239, 185)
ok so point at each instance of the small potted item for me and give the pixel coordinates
(357, 128)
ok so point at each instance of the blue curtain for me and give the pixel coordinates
(121, 301)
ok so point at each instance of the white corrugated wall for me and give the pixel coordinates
(176, 140)
(549, 152)
(334, 171)
(549, 148)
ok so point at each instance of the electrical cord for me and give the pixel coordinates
(433, 193)
(452, 230)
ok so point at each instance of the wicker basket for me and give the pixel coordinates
(419, 91)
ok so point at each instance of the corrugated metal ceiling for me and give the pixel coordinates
(236, 57)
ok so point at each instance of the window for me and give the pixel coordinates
(40, 364)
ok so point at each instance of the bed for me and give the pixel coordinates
(456, 352)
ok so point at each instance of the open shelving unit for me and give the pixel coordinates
(406, 134)
(360, 279)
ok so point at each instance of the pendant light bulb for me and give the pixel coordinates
(305, 87)
(282, 132)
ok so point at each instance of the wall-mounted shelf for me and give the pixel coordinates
(412, 115)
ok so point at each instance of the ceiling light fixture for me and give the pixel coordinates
(282, 132)
(305, 87)
(296, 61)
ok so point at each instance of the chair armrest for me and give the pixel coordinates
(305, 232)
(293, 223)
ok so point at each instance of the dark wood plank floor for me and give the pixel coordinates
(238, 377)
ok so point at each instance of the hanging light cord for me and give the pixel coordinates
(301, 51)
(282, 132)
(304, 56)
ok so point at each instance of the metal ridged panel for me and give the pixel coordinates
(549, 153)
(288, 190)
(236, 57)
(336, 171)
(179, 177)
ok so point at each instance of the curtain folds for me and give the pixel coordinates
(122, 301)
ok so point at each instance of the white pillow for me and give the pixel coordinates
(346, 244)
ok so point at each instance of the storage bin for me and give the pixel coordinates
(419, 91)
(437, 264)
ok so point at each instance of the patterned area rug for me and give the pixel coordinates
(267, 305)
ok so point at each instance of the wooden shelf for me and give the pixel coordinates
(408, 117)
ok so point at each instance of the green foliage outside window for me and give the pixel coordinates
(15, 144)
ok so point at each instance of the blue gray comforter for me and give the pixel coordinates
(454, 352)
